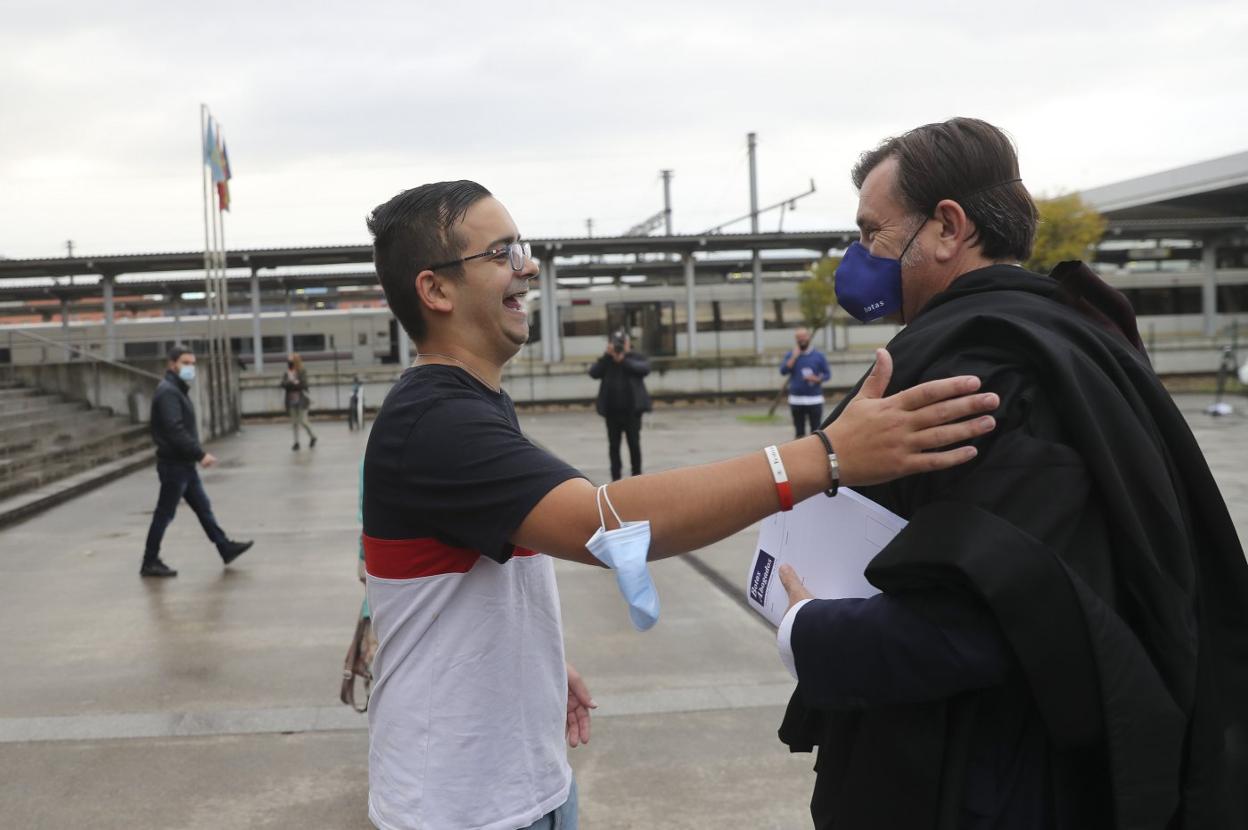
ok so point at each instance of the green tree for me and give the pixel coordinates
(1069, 228)
(816, 297)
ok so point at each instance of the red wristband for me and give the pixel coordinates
(783, 490)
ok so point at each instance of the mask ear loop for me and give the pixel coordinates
(602, 521)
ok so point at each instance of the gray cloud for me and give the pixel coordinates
(568, 110)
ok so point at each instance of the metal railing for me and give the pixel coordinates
(100, 382)
(71, 349)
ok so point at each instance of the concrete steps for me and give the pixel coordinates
(46, 439)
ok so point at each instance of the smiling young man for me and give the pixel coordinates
(472, 699)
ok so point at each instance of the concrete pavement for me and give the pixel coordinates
(210, 700)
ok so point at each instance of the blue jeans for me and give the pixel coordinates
(179, 481)
(562, 818)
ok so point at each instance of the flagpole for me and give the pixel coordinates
(204, 120)
(217, 368)
(231, 397)
(224, 351)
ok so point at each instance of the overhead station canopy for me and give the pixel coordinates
(816, 241)
(1207, 196)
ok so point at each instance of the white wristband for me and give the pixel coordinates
(781, 477)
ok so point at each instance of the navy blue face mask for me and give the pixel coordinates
(869, 286)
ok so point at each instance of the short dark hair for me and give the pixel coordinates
(413, 231)
(176, 352)
(971, 162)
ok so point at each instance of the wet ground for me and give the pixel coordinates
(210, 700)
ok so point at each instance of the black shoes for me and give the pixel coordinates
(232, 550)
(156, 568)
(312, 443)
(295, 446)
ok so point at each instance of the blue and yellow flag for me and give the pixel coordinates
(218, 161)
(212, 156)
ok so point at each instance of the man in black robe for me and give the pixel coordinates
(1061, 640)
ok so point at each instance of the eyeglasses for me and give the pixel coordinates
(517, 252)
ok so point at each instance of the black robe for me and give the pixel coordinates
(1091, 530)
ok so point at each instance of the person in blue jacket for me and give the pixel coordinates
(807, 369)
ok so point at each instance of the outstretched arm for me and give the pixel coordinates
(876, 439)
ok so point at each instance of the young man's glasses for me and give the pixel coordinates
(517, 252)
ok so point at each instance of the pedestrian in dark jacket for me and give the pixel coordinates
(295, 382)
(622, 398)
(177, 452)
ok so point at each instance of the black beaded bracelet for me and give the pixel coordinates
(834, 466)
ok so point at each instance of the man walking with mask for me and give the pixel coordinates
(807, 369)
(472, 701)
(176, 435)
(1061, 638)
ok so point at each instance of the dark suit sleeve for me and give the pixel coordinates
(167, 413)
(888, 650)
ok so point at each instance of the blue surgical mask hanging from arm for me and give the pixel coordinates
(624, 550)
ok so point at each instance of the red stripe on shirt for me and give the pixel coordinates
(415, 558)
(519, 551)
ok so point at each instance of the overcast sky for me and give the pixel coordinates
(568, 110)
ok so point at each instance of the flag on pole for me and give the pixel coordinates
(223, 186)
(218, 161)
(210, 154)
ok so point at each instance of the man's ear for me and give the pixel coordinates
(435, 292)
(957, 231)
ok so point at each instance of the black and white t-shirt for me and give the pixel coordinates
(469, 703)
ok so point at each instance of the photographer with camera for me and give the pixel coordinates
(622, 398)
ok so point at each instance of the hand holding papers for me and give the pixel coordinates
(829, 541)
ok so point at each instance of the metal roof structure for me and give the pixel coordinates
(1207, 196)
(267, 258)
(152, 291)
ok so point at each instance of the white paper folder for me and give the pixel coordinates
(828, 541)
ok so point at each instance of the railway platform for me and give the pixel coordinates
(210, 700)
